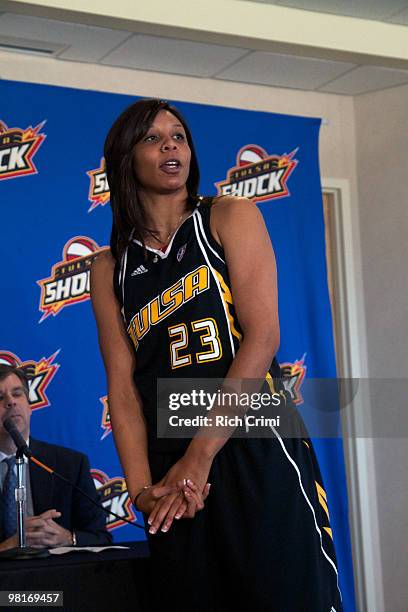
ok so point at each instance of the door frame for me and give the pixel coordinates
(351, 341)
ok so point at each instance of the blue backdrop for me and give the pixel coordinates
(55, 214)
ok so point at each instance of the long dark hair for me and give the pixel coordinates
(127, 210)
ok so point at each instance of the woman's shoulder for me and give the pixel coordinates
(223, 202)
(104, 259)
(230, 215)
(104, 275)
(227, 209)
(103, 263)
(224, 206)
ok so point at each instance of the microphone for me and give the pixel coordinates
(18, 439)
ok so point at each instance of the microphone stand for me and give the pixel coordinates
(22, 551)
(20, 499)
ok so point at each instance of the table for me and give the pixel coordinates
(111, 580)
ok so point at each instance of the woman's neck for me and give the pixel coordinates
(164, 210)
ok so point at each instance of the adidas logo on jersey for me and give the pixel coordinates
(139, 270)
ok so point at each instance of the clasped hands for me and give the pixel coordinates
(181, 493)
(42, 532)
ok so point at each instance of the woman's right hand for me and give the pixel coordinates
(185, 500)
(148, 497)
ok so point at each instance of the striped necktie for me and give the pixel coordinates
(9, 499)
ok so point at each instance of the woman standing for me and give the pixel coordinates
(189, 290)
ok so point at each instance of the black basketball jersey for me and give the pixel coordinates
(178, 308)
(179, 314)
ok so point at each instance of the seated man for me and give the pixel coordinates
(58, 515)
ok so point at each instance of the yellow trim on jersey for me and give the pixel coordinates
(270, 382)
(324, 506)
(227, 297)
(304, 442)
(271, 385)
(321, 493)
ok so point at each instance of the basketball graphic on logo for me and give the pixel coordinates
(79, 247)
(9, 359)
(250, 154)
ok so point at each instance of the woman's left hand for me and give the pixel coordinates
(175, 506)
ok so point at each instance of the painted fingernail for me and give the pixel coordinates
(190, 482)
(152, 530)
(165, 528)
(150, 521)
(177, 516)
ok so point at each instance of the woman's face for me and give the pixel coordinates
(162, 157)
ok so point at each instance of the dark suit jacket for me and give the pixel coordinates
(77, 512)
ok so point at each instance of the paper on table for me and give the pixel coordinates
(62, 550)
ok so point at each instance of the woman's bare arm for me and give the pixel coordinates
(125, 406)
(238, 226)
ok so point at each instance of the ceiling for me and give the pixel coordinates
(65, 40)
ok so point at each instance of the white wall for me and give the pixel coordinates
(382, 165)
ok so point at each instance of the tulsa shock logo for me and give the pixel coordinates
(99, 194)
(257, 175)
(69, 280)
(293, 375)
(114, 497)
(39, 375)
(17, 149)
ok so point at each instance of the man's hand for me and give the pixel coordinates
(41, 532)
